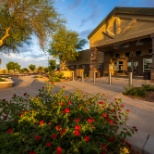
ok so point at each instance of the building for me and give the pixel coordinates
(83, 61)
(126, 39)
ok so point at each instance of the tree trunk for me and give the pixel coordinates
(4, 37)
(63, 65)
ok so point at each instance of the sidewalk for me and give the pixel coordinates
(141, 112)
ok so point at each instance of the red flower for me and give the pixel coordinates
(25, 94)
(112, 110)
(37, 138)
(77, 133)
(59, 150)
(54, 136)
(52, 82)
(66, 97)
(9, 131)
(48, 144)
(58, 127)
(122, 105)
(41, 122)
(104, 146)
(67, 110)
(128, 144)
(32, 152)
(128, 110)
(63, 86)
(90, 120)
(135, 128)
(111, 138)
(5, 117)
(111, 122)
(77, 127)
(69, 103)
(20, 115)
(100, 102)
(63, 131)
(86, 138)
(77, 120)
(61, 103)
(86, 109)
(104, 115)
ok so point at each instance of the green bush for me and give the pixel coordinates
(139, 91)
(148, 87)
(60, 124)
(55, 79)
(135, 91)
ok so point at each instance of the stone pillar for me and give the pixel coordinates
(93, 61)
(152, 65)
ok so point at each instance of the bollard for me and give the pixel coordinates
(130, 79)
(73, 76)
(94, 78)
(82, 76)
(110, 78)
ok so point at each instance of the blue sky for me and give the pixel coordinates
(82, 16)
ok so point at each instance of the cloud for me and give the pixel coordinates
(94, 14)
(75, 4)
(85, 33)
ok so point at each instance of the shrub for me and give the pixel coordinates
(2, 80)
(59, 124)
(148, 87)
(135, 91)
(139, 91)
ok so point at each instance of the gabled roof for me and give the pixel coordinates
(125, 10)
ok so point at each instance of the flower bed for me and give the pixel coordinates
(60, 124)
(5, 83)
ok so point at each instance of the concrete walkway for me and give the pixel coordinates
(141, 112)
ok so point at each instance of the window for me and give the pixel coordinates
(138, 53)
(99, 66)
(136, 65)
(129, 66)
(150, 50)
(127, 54)
(117, 55)
(147, 64)
(83, 66)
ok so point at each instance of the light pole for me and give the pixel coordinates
(132, 63)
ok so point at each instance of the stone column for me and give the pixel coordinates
(93, 61)
(152, 65)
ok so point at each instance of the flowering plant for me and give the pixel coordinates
(59, 124)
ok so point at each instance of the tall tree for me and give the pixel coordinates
(12, 66)
(19, 19)
(32, 67)
(64, 46)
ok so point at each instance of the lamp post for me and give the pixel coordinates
(132, 62)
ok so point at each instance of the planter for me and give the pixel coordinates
(6, 84)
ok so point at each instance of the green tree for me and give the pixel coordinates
(52, 65)
(13, 66)
(64, 46)
(22, 18)
(32, 67)
(24, 70)
(40, 69)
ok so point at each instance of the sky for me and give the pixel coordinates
(82, 16)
